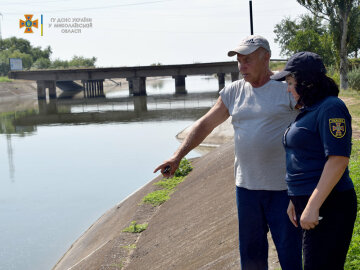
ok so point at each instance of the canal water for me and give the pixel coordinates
(64, 163)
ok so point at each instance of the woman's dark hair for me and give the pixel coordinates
(313, 87)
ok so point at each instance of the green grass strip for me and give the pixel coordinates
(168, 185)
(157, 197)
(136, 228)
(353, 256)
(5, 79)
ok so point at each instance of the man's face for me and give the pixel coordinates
(253, 66)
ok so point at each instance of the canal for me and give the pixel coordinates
(64, 163)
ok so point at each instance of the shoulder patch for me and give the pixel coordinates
(337, 127)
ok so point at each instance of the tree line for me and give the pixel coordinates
(332, 31)
(35, 57)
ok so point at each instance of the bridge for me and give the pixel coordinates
(93, 78)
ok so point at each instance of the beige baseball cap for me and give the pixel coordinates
(250, 44)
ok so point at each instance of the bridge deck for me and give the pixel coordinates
(93, 78)
(126, 72)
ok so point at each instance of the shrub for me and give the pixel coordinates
(333, 73)
(354, 63)
(354, 79)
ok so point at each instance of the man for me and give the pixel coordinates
(261, 110)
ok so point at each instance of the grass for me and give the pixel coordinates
(277, 65)
(170, 183)
(117, 265)
(136, 228)
(353, 106)
(353, 256)
(129, 247)
(5, 79)
(168, 186)
(157, 197)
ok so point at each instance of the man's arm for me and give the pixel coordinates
(199, 131)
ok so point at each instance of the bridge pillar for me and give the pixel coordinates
(131, 86)
(221, 79)
(41, 89)
(140, 104)
(235, 76)
(137, 86)
(180, 84)
(93, 88)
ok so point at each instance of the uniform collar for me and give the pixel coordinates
(314, 106)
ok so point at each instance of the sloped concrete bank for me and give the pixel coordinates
(195, 229)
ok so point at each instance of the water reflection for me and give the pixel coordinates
(10, 158)
(102, 110)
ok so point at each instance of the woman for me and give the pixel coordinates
(318, 145)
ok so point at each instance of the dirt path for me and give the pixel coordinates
(353, 104)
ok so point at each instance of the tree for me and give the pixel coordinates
(308, 34)
(79, 61)
(285, 31)
(354, 33)
(76, 61)
(338, 13)
(309, 40)
(41, 63)
(35, 57)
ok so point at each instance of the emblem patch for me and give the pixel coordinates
(337, 127)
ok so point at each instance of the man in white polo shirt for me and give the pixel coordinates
(261, 110)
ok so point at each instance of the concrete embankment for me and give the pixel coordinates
(195, 229)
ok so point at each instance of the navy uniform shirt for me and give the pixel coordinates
(318, 131)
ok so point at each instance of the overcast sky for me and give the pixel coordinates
(142, 32)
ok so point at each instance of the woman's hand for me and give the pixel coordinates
(291, 213)
(309, 218)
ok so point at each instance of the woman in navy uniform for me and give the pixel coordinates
(318, 146)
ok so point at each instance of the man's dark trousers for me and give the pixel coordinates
(259, 210)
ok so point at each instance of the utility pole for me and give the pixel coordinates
(251, 18)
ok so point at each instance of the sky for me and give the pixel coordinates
(143, 32)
